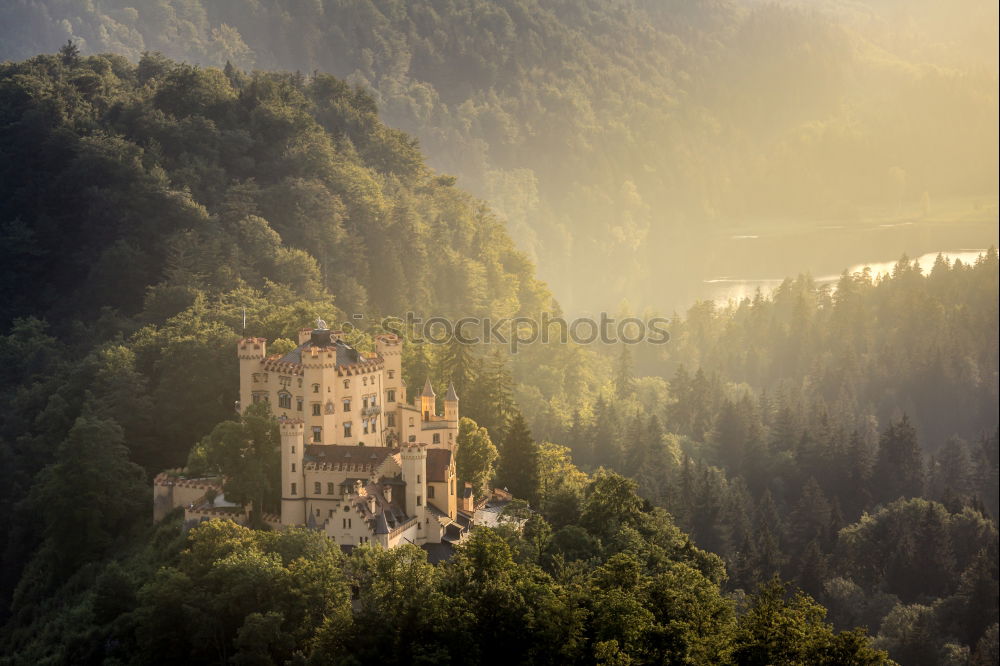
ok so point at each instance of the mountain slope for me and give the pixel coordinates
(622, 133)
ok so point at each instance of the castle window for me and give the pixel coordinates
(298, 404)
(347, 429)
(315, 388)
(331, 514)
(411, 421)
(316, 409)
(295, 490)
(317, 488)
(390, 420)
(317, 513)
(437, 438)
(430, 492)
(300, 382)
(317, 434)
(347, 383)
(418, 478)
(412, 438)
(390, 395)
(392, 373)
(293, 449)
(284, 400)
(420, 500)
(364, 381)
(329, 488)
(347, 405)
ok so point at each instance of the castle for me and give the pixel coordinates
(358, 461)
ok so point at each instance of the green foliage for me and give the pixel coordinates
(247, 455)
(475, 456)
(590, 126)
(519, 462)
(779, 628)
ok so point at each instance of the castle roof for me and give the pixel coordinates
(362, 458)
(438, 462)
(428, 389)
(346, 354)
(451, 396)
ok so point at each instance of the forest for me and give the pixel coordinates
(805, 477)
(622, 133)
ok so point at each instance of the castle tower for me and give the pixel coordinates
(251, 351)
(427, 406)
(293, 486)
(414, 462)
(451, 404)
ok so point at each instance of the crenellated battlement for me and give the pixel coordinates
(292, 426)
(252, 349)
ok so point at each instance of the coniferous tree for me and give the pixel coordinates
(857, 494)
(519, 461)
(457, 365)
(624, 374)
(495, 396)
(809, 521)
(606, 435)
(899, 468)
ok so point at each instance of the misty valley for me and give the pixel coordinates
(272, 278)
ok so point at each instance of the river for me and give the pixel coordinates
(744, 260)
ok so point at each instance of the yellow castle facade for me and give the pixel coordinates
(358, 460)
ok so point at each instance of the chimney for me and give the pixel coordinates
(468, 498)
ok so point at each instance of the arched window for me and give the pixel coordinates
(284, 400)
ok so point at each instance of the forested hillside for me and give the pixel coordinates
(621, 133)
(844, 440)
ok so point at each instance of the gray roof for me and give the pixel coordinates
(428, 389)
(346, 354)
(451, 396)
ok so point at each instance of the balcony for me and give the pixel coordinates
(371, 410)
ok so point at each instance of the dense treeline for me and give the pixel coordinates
(603, 130)
(146, 212)
(845, 440)
(626, 586)
(841, 439)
